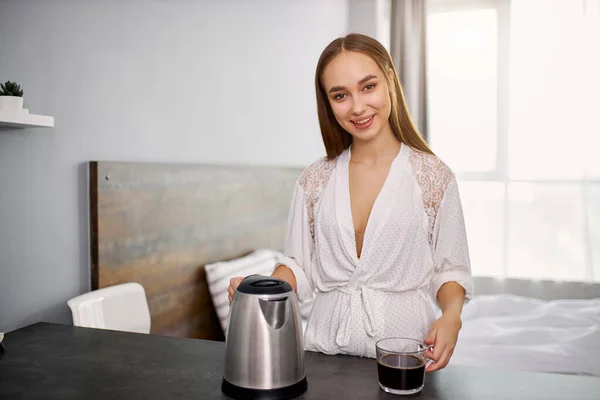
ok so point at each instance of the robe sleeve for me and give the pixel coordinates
(298, 245)
(450, 248)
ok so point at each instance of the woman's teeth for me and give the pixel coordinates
(363, 121)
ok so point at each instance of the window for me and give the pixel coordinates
(513, 94)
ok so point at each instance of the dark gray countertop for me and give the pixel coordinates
(49, 361)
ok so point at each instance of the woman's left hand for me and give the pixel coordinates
(443, 334)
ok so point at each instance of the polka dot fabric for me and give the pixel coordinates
(415, 241)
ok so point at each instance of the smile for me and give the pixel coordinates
(363, 123)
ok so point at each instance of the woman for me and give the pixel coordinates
(376, 228)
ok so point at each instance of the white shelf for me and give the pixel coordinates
(24, 120)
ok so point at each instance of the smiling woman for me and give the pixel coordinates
(353, 65)
(376, 228)
(355, 107)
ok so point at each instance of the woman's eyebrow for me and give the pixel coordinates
(363, 80)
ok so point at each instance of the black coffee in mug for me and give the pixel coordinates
(401, 372)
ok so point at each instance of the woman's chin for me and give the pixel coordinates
(364, 136)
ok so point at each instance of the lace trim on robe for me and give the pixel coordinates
(433, 176)
(312, 181)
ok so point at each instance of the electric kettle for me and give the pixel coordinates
(264, 356)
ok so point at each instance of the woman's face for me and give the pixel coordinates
(358, 94)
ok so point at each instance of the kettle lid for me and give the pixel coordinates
(257, 284)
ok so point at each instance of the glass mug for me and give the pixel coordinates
(401, 364)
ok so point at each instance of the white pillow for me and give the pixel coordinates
(218, 275)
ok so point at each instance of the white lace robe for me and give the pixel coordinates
(414, 242)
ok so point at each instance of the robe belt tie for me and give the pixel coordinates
(360, 298)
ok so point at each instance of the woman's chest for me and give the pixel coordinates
(365, 184)
(391, 218)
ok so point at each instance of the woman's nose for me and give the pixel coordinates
(358, 108)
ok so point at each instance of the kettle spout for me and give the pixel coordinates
(274, 311)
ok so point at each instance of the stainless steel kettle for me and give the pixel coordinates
(264, 344)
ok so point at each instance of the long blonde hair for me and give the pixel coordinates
(335, 138)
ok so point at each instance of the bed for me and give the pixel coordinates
(181, 230)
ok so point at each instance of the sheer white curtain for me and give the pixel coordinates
(408, 49)
(514, 108)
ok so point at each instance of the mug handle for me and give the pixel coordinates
(429, 360)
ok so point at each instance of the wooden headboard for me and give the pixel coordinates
(159, 224)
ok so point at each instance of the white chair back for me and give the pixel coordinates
(120, 307)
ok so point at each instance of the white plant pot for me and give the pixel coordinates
(11, 104)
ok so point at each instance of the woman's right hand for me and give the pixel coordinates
(233, 285)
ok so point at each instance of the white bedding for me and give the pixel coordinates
(529, 334)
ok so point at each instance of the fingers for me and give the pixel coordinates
(442, 360)
(443, 336)
(230, 294)
(439, 350)
(436, 365)
(429, 354)
(430, 339)
(233, 285)
(437, 358)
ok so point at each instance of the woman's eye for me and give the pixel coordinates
(370, 86)
(339, 96)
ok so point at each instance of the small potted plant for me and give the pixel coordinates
(11, 97)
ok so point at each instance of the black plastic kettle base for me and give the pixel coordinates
(288, 392)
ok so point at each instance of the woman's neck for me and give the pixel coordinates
(384, 147)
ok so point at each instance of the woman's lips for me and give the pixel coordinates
(363, 123)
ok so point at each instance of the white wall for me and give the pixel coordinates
(222, 81)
